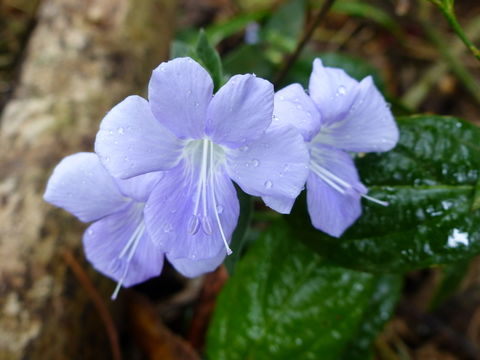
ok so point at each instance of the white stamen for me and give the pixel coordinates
(130, 247)
(214, 203)
(339, 184)
(376, 201)
(193, 225)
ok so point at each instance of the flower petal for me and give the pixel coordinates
(333, 190)
(368, 126)
(140, 187)
(179, 93)
(82, 186)
(329, 210)
(193, 268)
(283, 205)
(332, 91)
(293, 106)
(274, 165)
(119, 247)
(132, 142)
(240, 110)
(171, 207)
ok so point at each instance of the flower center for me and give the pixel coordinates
(208, 158)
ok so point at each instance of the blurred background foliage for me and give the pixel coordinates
(404, 281)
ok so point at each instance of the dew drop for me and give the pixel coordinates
(268, 184)
(125, 159)
(286, 167)
(90, 232)
(206, 225)
(282, 97)
(106, 159)
(341, 90)
(255, 163)
(110, 132)
(197, 104)
(120, 130)
(244, 148)
(168, 228)
(193, 225)
(189, 92)
(219, 209)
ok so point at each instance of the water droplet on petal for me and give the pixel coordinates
(189, 92)
(282, 97)
(286, 167)
(168, 228)
(219, 209)
(197, 104)
(244, 148)
(110, 132)
(193, 224)
(255, 163)
(90, 232)
(206, 225)
(341, 90)
(120, 131)
(268, 184)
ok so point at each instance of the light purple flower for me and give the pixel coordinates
(201, 143)
(339, 115)
(116, 243)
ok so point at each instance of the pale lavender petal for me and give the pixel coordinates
(119, 247)
(329, 210)
(179, 93)
(332, 91)
(240, 111)
(293, 106)
(275, 165)
(184, 230)
(333, 190)
(140, 187)
(368, 126)
(132, 142)
(193, 268)
(82, 186)
(283, 205)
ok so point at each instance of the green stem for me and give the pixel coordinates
(449, 12)
(453, 62)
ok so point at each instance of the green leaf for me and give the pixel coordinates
(429, 179)
(367, 11)
(285, 302)
(218, 32)
(180, 49)
(451, 279)
(240, 235)
(379, 310)
(283, 30)
(249, 59)
(206, 54)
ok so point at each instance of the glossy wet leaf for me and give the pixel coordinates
(380, 309)
(430, 180)
(286, 302)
